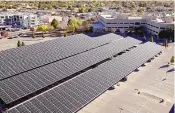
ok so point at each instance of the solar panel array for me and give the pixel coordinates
(15, 61)
(79, 91)
(26, 83)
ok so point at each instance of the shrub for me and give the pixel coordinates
(43, 35)
(18, 43)
(33, 35)
(172, 59)
(23, 44)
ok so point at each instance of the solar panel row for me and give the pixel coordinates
(26, 83)
(15, 61)
(79, 91)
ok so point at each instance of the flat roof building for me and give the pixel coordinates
(19, 19)
(120, 21)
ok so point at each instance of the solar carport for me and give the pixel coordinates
(67, 77)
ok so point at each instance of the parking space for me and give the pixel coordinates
(149, 81)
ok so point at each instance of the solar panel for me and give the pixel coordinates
(72, 95)
(26, 83)
(17, 60)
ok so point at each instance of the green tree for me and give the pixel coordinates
(91, 9)
(55, 23)
(18, 44)
(50, 28)
(86, 24)
(74, 23)
(152, 39)
(33, 36)
(23, 44)
(42, 28)
(43, 36)
(172, 60)
(83, 9)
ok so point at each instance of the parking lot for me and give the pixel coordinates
(12, 43)
(153, 83)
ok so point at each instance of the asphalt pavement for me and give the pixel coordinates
(149, 81)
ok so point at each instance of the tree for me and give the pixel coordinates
(50, 28)
(172, 60)
(113, 30)
(42, 28)
(73, 24)
(152, 39)
(18, 43)
(55, 23)
(83, 9)
(33, 36)
(23, 44)
(86, 25)
(43, 36)
(91, 9)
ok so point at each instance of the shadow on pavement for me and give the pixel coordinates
(171, 70)
(172, 109)
(164, 66)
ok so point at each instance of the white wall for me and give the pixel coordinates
(152, 27)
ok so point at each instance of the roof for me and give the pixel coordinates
(63, 75)
(5, 26)
(72, 95)
(133, 18)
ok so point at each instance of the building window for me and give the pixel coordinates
(137, 23)
(162, 28)
(121, 23)
(126, 23)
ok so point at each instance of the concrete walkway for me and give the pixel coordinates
(125, 98)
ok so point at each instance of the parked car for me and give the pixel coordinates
(15, 37)
(10, 38)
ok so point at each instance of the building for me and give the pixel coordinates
(22, 20)
(152, 24)
(48, 18)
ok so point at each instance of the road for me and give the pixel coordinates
(124, 99)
